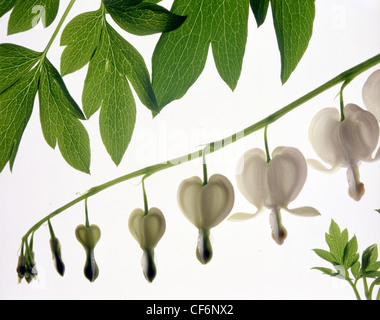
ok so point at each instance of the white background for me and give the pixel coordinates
(247, 263)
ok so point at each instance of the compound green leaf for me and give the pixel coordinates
(26, 14)
(6, 5)
(106, 86)
(16, 106)
(81, 37)
(260, 9)
(180, 55)
(60, 120)
(15, 62)
(293, 21)
(144, 18)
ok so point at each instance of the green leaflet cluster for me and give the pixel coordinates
(115, 66)
(180, 56)
(343, 255)
(23, 73)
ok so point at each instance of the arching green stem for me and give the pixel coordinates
(212, 147)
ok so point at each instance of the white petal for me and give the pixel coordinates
(279, 233)
(135, 225)
(188, 198)
(304, 211)
(153, 226)
(287, 174)
(316, 165)
(371, 94)
(356, 188)
(359, 132)
(251, 176)
(324, 136)
(242, 216)
(375, 158)
(217, 200)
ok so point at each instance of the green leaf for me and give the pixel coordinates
(326, 256)
(327, 271)
(6, 5)
(293, 21)
(260, 9)
(369, 259)
(15, 62)
(144, 18)
(350, 254)
(60, 122)
(337, 241)
(106, 86)
(180, 55)
(355, 269)
(27, 14)
(16, 106)
(81, 37)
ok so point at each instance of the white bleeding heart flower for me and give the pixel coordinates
(371, 94)
(205, 206)
(345, 143)
(147, 229)
(272, 185)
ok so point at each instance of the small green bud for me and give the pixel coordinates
(56, 251)
(21, 267)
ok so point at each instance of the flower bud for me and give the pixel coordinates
(148, 230)
(55, 247)
(89, 237)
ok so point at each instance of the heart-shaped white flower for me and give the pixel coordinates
(206, 206)
(345, 143)
(147, 229)
(272, 185)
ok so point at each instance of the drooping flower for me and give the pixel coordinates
(89, 236)
(206, 206)
(147, 229)
(272, 185)
(345, 143)
(371, 94)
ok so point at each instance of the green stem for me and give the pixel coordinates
(59, 26)
(86, 212)
(205, 179)
(366, 291)
(355, 289)
(217, 145)
(51, 230)
(266, 144)
(146, 208)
